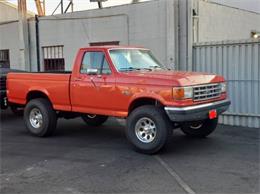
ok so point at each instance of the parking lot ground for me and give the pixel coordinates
(82, 159)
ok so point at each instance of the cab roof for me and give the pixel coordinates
(114, 47)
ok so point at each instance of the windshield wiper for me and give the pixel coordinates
(128, 69)
(155, 67)
(133, 69)
(149, 69)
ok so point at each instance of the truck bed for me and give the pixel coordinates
(54, 85)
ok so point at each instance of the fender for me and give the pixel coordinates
(40, 90)
(146, 95)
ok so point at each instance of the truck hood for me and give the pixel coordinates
(176, 78)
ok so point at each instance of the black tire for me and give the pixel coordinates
(48, 116)
(148, 114)
(94, 120)
(18, 111)
(199, 129)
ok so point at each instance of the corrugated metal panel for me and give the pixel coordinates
(239, 63)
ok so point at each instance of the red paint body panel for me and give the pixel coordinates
(54, 86)
(105, 94)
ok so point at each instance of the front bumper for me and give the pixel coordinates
(197, 112)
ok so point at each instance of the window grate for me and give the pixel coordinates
(53, 58)
(4, 59)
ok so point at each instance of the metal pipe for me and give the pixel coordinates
(55, 9)
(72, 5)
(37, 43)
(61, 6)
(100, 6)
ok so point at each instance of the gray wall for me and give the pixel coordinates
(9, 39)
(217, 23)
(239, 63)
(8, 12)
(150, 24)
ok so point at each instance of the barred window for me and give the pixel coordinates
(53, 58)
(4, 59)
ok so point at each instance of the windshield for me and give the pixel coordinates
(134, 59)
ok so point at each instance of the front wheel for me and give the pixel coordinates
(94, 120)
(148, 129)
(199, 128)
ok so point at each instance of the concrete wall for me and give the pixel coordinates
(9, 39)
(143, 24)
(217, 22)
(8, 12)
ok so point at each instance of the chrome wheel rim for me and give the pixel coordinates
(145, 130)
(196, 126)
(36, 118)
(91, 116)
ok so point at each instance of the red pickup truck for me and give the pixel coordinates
(125, 82)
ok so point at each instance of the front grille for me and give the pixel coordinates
(206, 92)
(3, 83)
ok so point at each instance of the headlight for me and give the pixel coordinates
(223, 87)
(180, 93)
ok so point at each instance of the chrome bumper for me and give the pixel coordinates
(197, 112)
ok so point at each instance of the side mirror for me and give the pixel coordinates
(92, 71)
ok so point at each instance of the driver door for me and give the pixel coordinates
(93, 90)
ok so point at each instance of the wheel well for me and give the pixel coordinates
(143, 101)
(36, 94)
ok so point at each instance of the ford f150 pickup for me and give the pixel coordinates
(125, 82)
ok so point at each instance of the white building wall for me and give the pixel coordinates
(141, 24)
(8, 12)
(218, 22)
(9, 39)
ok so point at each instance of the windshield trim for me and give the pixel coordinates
(123, 48)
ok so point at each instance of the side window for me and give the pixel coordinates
(95, 60)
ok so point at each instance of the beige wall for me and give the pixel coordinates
(8, 12)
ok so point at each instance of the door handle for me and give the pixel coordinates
(78, 79)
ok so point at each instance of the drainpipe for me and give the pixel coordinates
(23, 36)
(37, 43)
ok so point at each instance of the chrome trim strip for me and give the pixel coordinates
(205, 85)
(188, 108)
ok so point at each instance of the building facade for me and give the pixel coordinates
(155, 24)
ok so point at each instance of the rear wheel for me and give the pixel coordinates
(40, 118)
(199, 128)
(148, 129)
(94, 120)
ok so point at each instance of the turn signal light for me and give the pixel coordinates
(180, 93)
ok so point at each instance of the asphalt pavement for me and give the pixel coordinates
(82, 159)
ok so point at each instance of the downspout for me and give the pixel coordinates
(37, 43)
